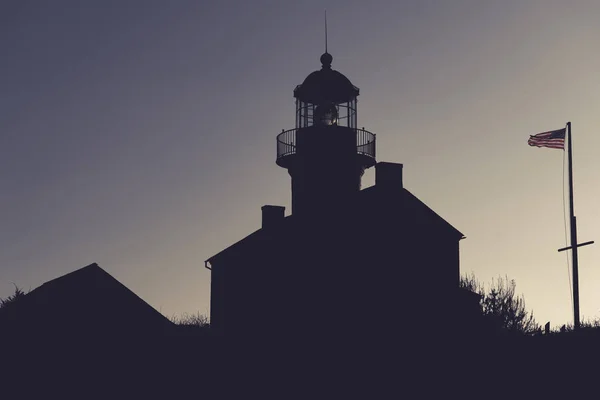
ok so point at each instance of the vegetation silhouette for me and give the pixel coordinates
(501, 305)
(13, 298)
(197, 320)
(191, 324)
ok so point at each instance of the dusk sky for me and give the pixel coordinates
(141, 134)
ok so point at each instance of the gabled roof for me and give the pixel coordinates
(371, 197)
(422, 209)
(253, 238)
(86, 300)
(411, 205)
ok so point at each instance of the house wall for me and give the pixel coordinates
(255, 288)
(343, 275)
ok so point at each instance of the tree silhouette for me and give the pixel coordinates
(502, 305)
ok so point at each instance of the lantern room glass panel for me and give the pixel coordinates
(340, 114)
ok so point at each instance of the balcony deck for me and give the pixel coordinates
(365, 147)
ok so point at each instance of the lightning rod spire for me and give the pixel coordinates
(325, 30)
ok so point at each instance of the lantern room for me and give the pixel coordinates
(325, 105)
(326, 97)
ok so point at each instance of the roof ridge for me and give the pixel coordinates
(90, 266)
(432, 212)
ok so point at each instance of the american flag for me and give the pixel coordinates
(552, 139)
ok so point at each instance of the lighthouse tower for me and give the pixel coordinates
(325, 154)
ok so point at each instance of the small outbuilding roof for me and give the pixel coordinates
(86, 301)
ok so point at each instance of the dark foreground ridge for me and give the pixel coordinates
(413, 365)
(94, 350)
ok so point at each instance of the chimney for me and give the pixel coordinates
(388, 175)
(272, 216)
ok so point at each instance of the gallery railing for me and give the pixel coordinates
(365, 143)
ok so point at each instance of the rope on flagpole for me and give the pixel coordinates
(565, 224)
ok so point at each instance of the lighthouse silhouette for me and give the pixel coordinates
(348, 260)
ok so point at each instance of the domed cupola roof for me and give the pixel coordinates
(326, 85)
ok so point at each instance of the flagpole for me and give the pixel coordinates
(575, 260)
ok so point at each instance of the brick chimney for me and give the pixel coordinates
(272, 216)
(388, 175)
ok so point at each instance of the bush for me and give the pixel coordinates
(197, 320)
(13, 298)
(501, 304)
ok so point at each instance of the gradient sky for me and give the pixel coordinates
(141, 134)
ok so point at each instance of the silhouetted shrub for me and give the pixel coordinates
(13, 298)
(502, 305)
(197, 320)
(588, 326)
